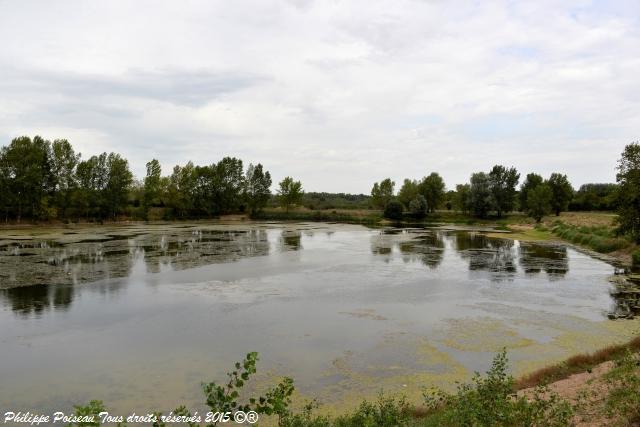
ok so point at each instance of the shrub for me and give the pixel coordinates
(418, 207)
(623, 382)
(393, 210)
(635, 259)
(491, 401)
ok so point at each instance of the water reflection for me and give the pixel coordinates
(33, 300)
(116, 255)
(426, 248)
(497, 256)
(87, 260)
(292, 239)
(552, 259)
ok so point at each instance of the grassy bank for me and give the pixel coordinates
(491, 399)
(351, 216)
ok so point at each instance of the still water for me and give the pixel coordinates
(139, 316)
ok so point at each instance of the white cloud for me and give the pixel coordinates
(337, 94)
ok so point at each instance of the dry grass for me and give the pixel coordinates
(588, 219)
(576, 364)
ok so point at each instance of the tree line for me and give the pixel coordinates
(496, 192)
(42, 180)
(487, 193)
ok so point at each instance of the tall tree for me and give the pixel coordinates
(257, 187)
(432, 188)
(6, 192)
(503, 183)
(119, 179)
(228, 184)
(462, 200)
(31, 182)
(63, 167)
(628, 200)
(561, 191)
(531, 181)
(382, 193)
(539, 201)
(181, 190)
(480, 197)
(152, 185)
(408, 192)
(92, 177)
(289, 192)
(204, 191)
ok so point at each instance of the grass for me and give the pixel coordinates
(576, 364)
(600, 238)
(490, 399)
(344, 215)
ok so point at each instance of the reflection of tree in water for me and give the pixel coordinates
(552, 259)
(426, 248)
(33, 300)
(291, 240)
(487, 254)
(382, 244)
(197, 248)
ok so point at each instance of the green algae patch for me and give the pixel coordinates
(354, 377)
(481, 335)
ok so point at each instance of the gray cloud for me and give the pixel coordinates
(338, 94)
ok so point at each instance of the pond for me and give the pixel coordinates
(138, 316)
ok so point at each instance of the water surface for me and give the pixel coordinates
(139, 316)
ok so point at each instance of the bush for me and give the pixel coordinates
(393, 210)
(491, 401)
(624, 389)
(635, 259)
(418, 207)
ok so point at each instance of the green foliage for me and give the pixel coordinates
(531, 181)
(153, 190)
(289, 193)
(324, 215)
(408, 192)
(91, 410)
(276, 401)
(418, 207)
(320, 201)
(539, 201)
(393, 210)
(503, 183)
(225, 398)
(599, 238)
(27, 171)
(480, 197)
(635, 258)
(490, 400)
(382, 193)
(628, 194)
(561, 191)
(257, 190)
(44, 180)
(623, 381)
(432, 188)
(594, 197)
(462, 199)
(388, 411)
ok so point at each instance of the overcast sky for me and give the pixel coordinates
(338, 94)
